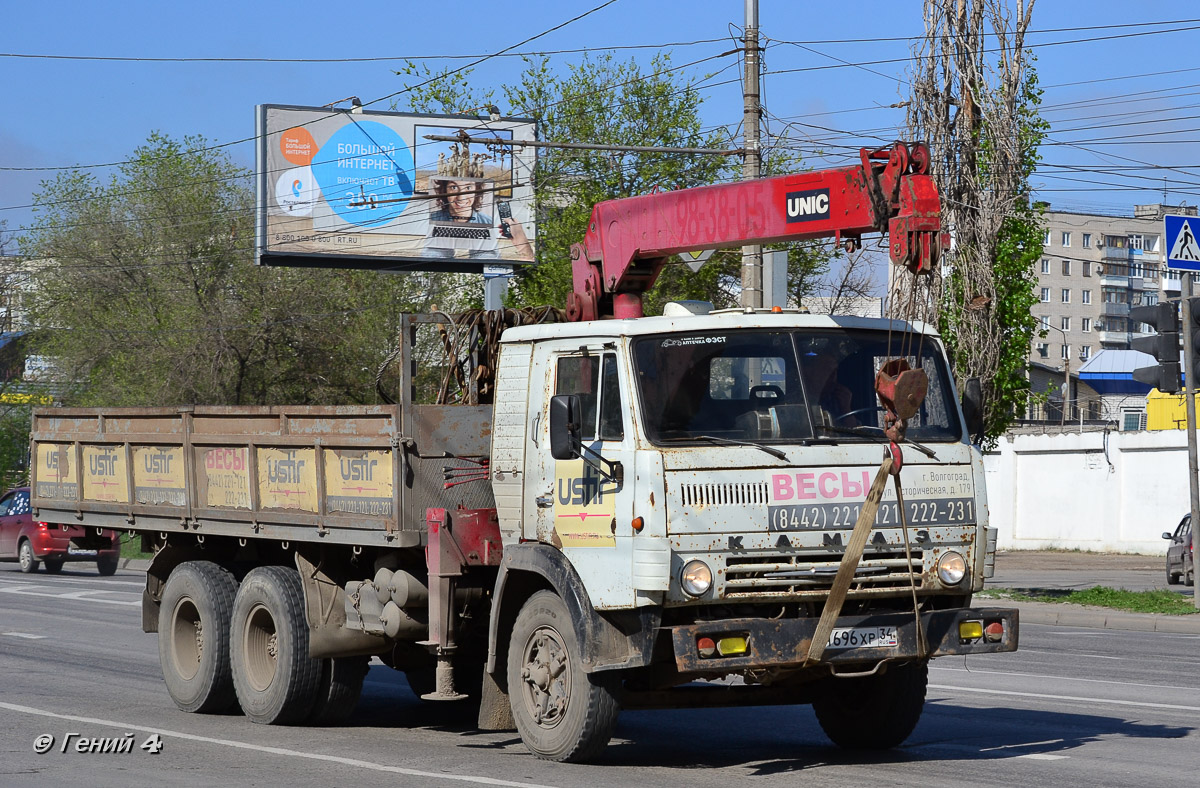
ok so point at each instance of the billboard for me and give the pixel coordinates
(362, 189)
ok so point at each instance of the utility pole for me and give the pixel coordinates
(1189, 394)
(752, 294)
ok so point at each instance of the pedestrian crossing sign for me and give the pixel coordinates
(1183, 242)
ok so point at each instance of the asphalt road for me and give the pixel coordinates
(1073, 707)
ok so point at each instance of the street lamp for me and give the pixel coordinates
(1066, 389)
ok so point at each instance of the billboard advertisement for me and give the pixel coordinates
(362, 189)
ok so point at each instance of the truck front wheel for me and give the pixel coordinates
(873, 712)
(275, 679)
(561, 712)
(193, 636)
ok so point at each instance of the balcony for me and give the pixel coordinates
(1114, 340)
(1114, 310)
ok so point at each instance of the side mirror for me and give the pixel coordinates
(566, 422)
(1167, 535)
(972, 405)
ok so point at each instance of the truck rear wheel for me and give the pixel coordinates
(338, 690)
(561, 712)
(873, 712)
(193, 636)
(275, 679)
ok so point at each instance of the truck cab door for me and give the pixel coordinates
(575, 504)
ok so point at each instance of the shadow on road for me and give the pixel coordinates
(755, 738)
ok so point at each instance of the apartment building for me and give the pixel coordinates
(1093, 270)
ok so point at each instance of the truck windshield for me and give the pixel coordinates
(783, 386)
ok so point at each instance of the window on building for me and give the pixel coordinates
(1066, 324)
(1085, 324)
(1149, 298)
(1115, 295)
(1046, 239)
(1044, 322)
(1045, 266)
(1046, 294)
(1085, 352)
(1085, 296)
(1066, 267)
(1066, 352)
(1137, 241)
(1042, 350)
(1066, 239)
(1066, 295)
(1087, 240)
(1087, 268)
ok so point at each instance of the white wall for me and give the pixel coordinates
(1102, 492)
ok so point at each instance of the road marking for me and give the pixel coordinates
(1059, 654)
(378, 767)
(105, 582)
(25, 635)
(83, 596)
(1043, 696)
(1053, 678)
(967, 748)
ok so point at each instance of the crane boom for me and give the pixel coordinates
(629, 240)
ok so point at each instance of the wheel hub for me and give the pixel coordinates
(546, 690)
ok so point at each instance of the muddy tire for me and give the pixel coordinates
(338, 690)
(561, 712)
(275, 679)
(193, 636)
(874, 712)
(29, 564)
(53, 565)
(107, 567)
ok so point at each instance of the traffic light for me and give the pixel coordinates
(1164, 346)
(1192, 365)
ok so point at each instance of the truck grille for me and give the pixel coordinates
(730, 494)
(749, 576)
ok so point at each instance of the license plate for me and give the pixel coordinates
(79, 551)
(863, 637)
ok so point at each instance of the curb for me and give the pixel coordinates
(1067, 615)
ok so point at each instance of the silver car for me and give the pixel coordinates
(1181, 562)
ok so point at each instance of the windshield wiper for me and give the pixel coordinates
(878, 438)
(734, 442)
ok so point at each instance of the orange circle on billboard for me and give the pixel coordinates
(298, 146)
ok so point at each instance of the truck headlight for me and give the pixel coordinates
(696, 578)
(951, 568)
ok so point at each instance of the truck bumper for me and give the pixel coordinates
(785, 643)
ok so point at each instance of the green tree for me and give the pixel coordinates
(604, 101)
(147, 293)
(975, 100)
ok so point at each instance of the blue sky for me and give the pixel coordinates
(62, 112)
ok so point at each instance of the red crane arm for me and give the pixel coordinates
(629, 240)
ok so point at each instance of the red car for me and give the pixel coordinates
(22, 539)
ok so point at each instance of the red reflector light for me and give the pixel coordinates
(706, 646)
(43, 526)
(994, 631)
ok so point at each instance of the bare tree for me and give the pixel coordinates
(974, 100)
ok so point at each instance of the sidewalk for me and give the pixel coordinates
(1033, 571)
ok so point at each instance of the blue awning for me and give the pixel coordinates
(1111, 372)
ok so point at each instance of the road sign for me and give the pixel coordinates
(1182, 235)
(696, 258)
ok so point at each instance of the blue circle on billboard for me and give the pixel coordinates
(366, 172)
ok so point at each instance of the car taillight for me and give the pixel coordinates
(43, 526)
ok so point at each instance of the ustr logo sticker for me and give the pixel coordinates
(808, 205)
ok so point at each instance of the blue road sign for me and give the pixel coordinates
(1182, 234)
